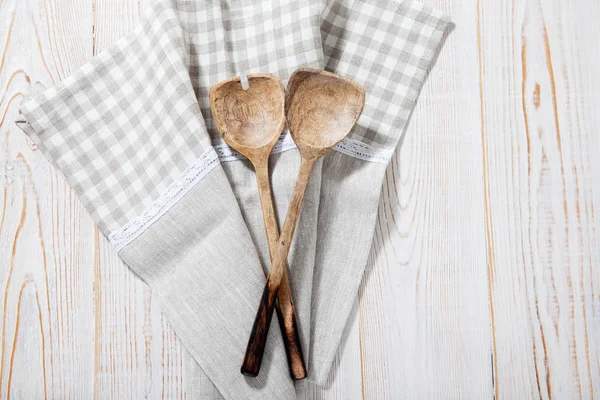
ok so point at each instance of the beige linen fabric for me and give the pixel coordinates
(199, 258)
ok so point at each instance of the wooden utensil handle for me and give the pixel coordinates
(286, 312)
(260, 331)
(278, 271)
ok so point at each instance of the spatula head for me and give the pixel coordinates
(321, 108)
(252, 118)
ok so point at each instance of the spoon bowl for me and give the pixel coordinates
(321, 108)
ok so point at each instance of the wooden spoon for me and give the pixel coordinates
(251, 121)
(321, 109)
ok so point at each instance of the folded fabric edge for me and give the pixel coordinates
(26, 125)
(362, 151)
(34, 100)
(189, 178)
(200, 168)
(207, 162)
(193, 174)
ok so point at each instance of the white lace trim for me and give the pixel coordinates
(360, 150)
(349, 147)
(227, 154)
(207, 162)
(192, 175)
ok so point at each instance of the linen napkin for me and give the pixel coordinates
(98, 154)
(127, 132)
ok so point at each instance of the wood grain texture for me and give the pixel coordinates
(484, 275)
(541, 223)
(74, 321)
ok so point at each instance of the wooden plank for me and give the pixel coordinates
(46, 319)
(578, 101)
(100, 332)
(541, 224)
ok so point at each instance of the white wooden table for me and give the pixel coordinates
(484, 275)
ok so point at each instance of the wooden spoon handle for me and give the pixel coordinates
(260, 330)
(258, 336)
(286, 312)
(278, 272)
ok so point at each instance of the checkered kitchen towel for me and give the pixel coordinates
(131, 131)
(102, 125)
(128, 133)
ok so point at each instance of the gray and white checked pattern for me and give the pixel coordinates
(222, 153)
(126, 125)
(232, 37)
(387, 46)
(175, 192)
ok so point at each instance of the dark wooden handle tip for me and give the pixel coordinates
(293, 349)
(246, 373)
(258, 336)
